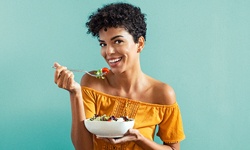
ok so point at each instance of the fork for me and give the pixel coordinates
(97, 74)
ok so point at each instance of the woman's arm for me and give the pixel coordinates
(144, 143)
(81, 138)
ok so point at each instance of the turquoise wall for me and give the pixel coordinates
(200, 48)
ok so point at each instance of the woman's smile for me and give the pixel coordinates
(117, 47)
(114, 61)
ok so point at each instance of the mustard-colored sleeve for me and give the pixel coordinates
(89, 101)
(171, 127)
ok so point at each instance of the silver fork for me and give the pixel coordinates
(97, 74)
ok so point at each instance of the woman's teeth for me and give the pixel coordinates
(115, 60)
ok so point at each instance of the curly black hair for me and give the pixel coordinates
(118, 15)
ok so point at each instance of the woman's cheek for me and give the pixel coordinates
(103, 52)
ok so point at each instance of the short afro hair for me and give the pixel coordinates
(118, 15)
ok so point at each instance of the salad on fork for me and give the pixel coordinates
(98, 74)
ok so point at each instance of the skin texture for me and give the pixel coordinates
(125, 79)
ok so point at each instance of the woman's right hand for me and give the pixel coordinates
(65, 79)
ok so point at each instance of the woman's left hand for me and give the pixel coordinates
(135, 136)
(130, 135)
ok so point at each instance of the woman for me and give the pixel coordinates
(126, 90)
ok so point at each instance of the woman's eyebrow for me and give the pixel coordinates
(101, 41)
(113, 38)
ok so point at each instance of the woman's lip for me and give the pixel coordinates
(114, 61)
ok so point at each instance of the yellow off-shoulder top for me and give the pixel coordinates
(147, 116)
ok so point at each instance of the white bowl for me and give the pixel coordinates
(108, 129)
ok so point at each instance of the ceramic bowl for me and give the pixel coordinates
(109, 129)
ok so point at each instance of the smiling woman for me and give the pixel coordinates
(116, 46)
(126, 89)
(200, 48)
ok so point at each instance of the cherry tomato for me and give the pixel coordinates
(105, 70)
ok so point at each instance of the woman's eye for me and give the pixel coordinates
(102, 44)
(118, 41)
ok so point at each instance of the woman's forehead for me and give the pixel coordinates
(112, 31)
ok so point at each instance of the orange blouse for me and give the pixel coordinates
(147, 116)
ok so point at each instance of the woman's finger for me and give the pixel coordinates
(71, 81)
(65, 79)
(56, 64)
(60, 78)
(67, 83)
(58, 73)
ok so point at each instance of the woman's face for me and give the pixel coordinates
(118, 49)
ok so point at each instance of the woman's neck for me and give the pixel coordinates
(129, 81)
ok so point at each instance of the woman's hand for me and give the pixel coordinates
(130, 135)
(135, 136)
(65, 79)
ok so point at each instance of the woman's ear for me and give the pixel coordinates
(141, 43)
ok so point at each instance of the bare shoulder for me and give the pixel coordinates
(163, 93)
(92, 82)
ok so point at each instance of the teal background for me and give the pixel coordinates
(200, 48)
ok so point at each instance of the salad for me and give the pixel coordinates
(109, 118)
(99, 73)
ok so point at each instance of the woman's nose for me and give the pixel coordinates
(110, 50)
